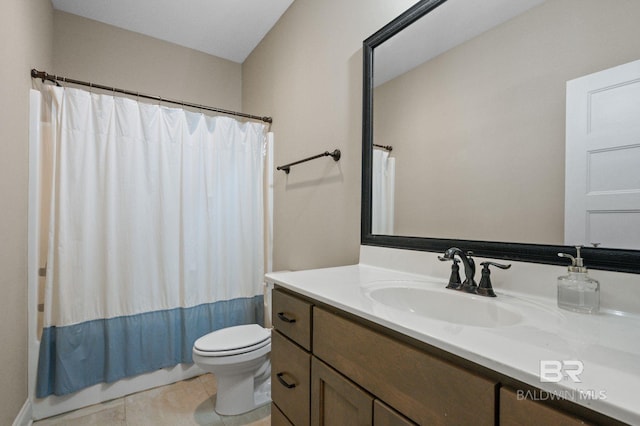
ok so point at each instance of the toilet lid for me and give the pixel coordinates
(232, 339)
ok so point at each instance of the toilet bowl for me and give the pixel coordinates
(239, 357)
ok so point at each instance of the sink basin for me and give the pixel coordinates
(446, 305)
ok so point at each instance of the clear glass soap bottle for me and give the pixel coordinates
(578, 292)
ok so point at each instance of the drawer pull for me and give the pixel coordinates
(284, 383)
(284, 318)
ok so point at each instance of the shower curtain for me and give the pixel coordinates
(156, 235)
(383, 191)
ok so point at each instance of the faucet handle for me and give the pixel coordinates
(454, 279)
(486, 265)
(485, 288)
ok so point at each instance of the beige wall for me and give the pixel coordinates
(91, 51)
(26, 28)
(307, 74)
(478, 132)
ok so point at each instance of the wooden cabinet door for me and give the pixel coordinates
(524, 412)
(337, 401)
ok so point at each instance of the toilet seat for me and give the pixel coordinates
(232, 341)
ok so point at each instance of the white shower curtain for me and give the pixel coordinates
(156, 235)
(383, 192)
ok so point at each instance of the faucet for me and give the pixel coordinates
(469, 285)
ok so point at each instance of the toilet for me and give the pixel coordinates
(239, 357)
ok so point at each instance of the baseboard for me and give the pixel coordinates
(24, 416)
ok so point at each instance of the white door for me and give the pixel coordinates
(602, 182)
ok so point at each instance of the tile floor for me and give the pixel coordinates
(189, 402)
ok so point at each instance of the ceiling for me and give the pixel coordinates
(229, 29)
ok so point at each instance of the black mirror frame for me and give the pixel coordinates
(595, 258)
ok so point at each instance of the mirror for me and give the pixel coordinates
(471, 96)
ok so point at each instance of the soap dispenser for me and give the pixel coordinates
(577, 291)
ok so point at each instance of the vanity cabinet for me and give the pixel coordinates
(342, 370)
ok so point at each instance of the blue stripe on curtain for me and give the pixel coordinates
(105, 350)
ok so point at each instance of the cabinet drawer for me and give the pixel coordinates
(292, 317)
(290, 378)
(523, 412)
(426, 389)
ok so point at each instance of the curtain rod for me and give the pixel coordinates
(55, 78)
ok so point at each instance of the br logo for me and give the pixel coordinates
(554, 371)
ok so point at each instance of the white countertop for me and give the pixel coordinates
(607, 344)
